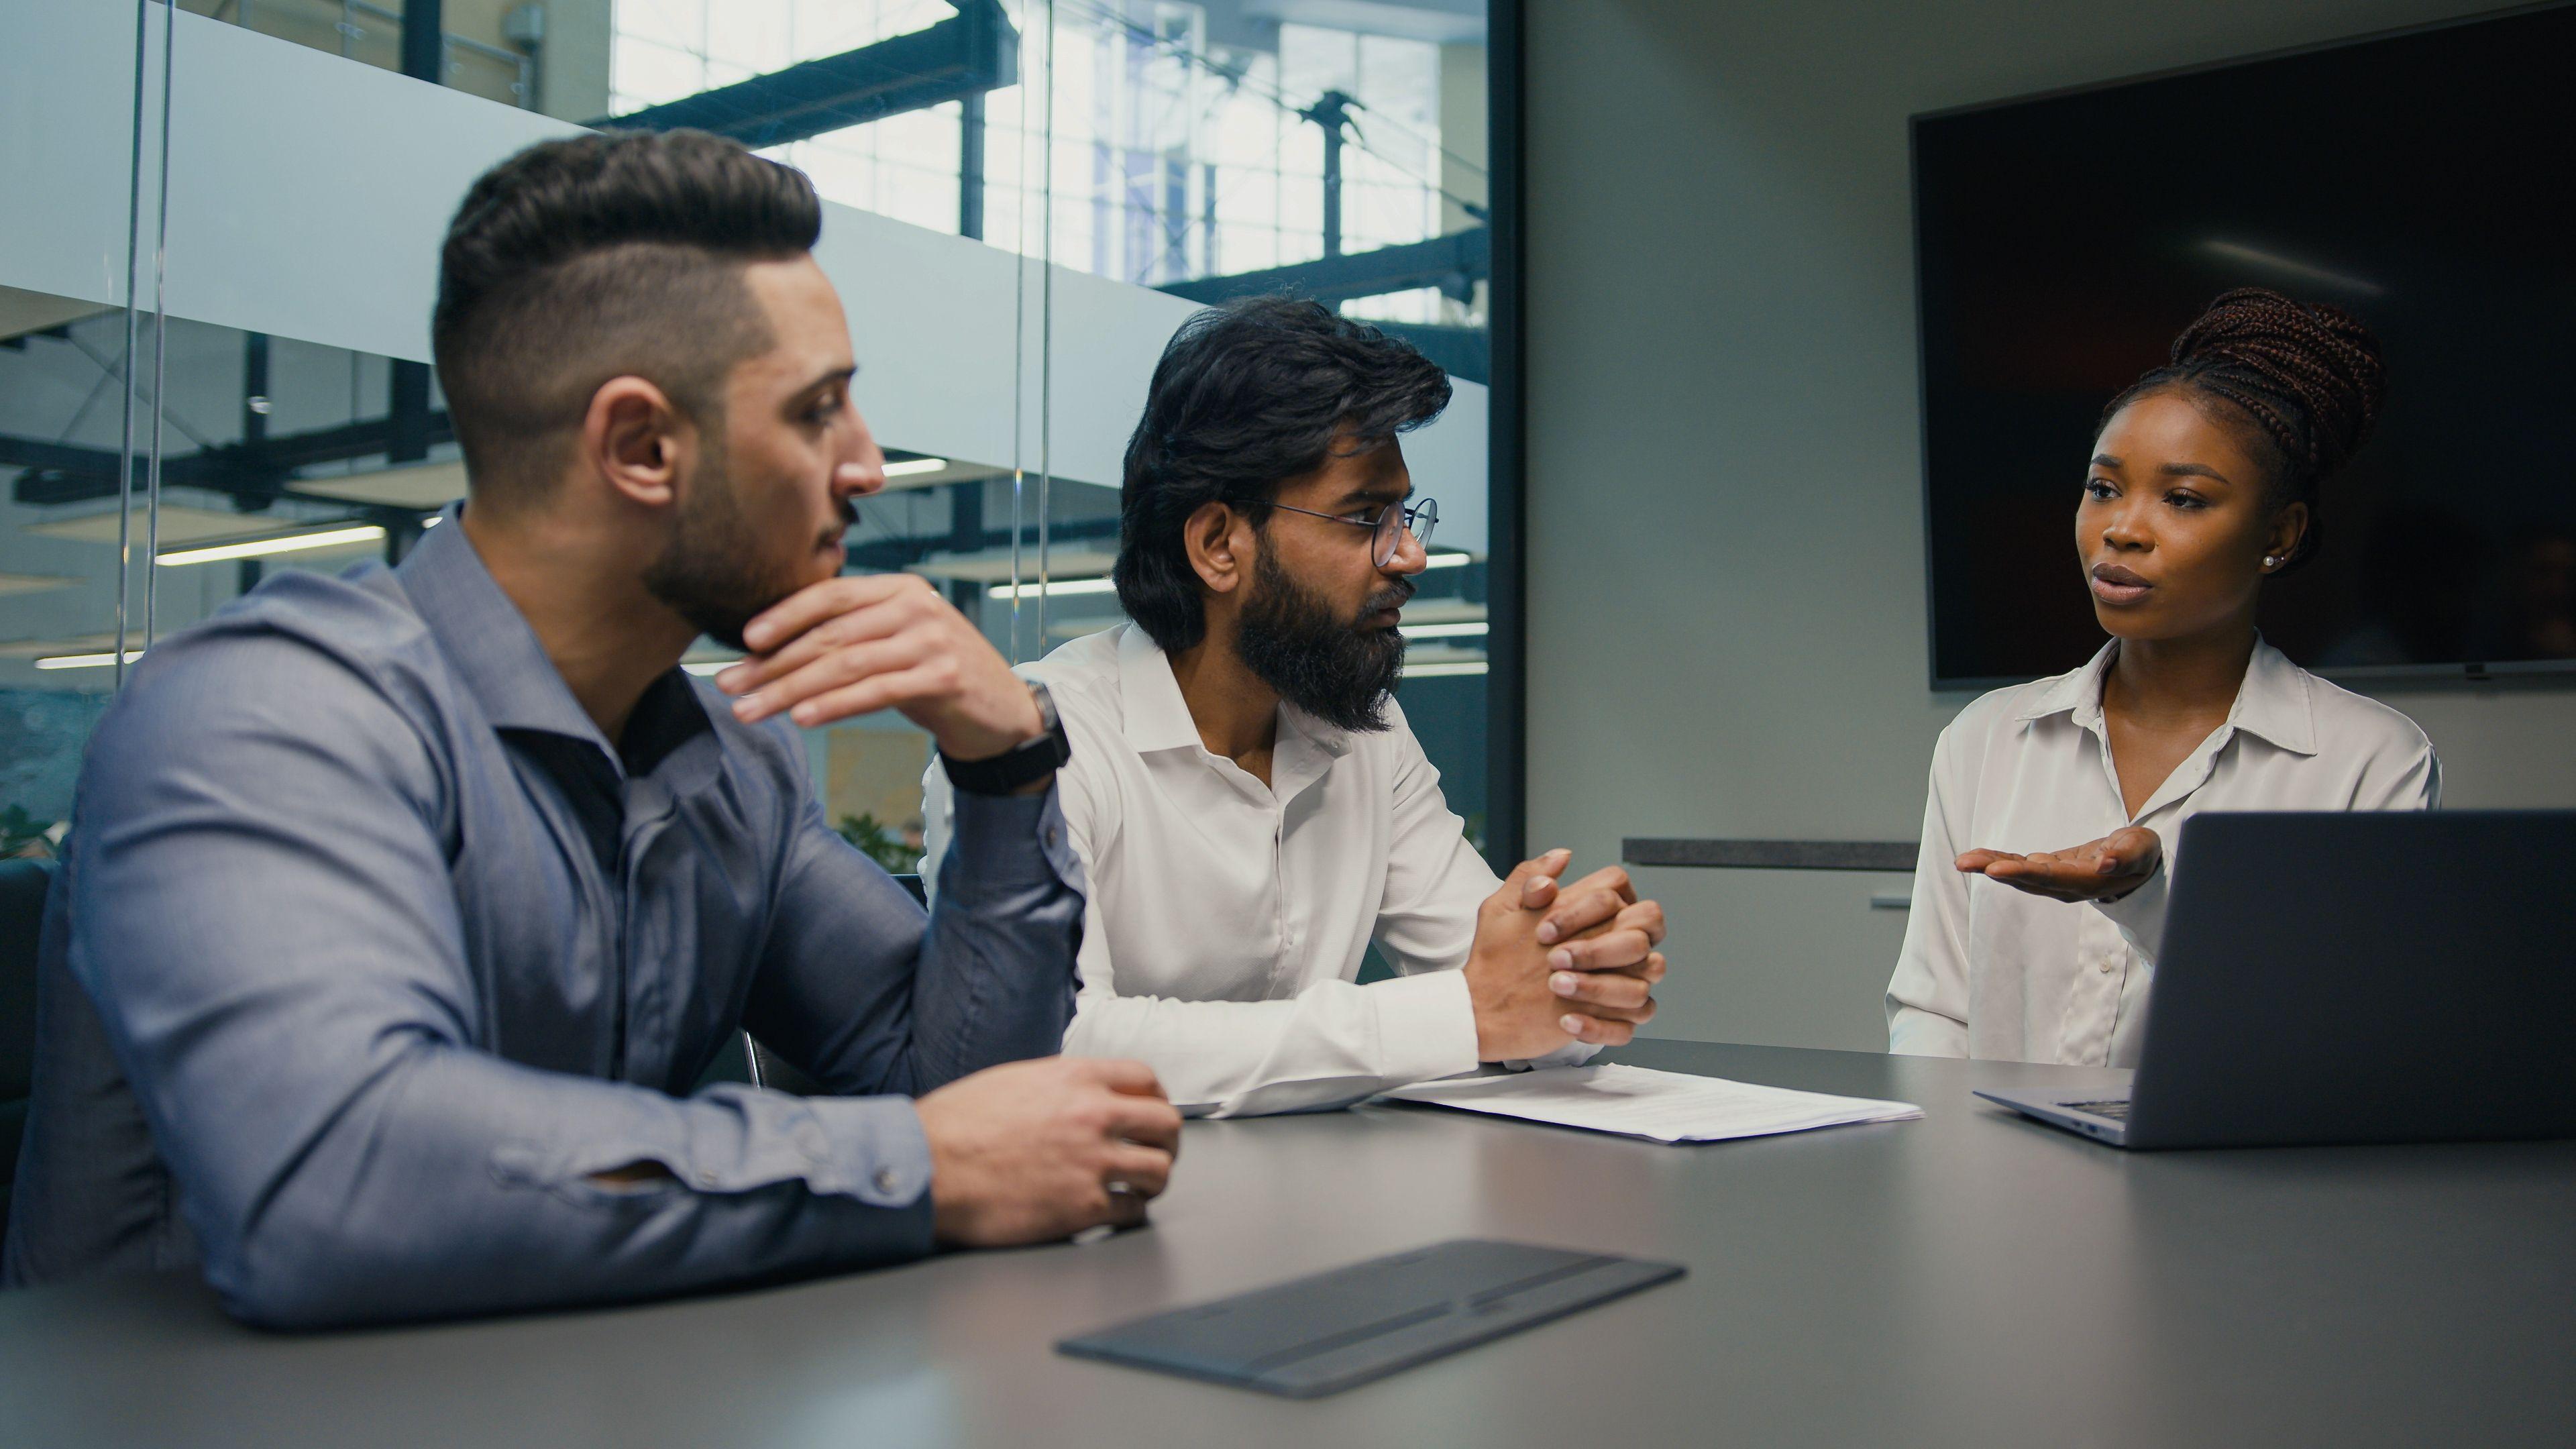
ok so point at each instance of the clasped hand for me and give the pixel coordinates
(2103, 869)
(1553, 965)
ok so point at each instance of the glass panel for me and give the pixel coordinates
(61, 404)
(495, 49)
(1205, 151)
(1188, 143)
(1210, 152)
(1119, 162)
(80, 365)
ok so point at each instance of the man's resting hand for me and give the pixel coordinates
(1033, 1151)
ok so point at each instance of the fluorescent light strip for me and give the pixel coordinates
(1435, 671)
(1054, 586)
(433, 521)
(910, 466)
(86, 661)
(257, 547)
(1443, 631)
(1447, 561)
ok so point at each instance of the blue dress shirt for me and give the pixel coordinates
(370, 953)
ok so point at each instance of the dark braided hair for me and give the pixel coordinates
(2307, 381)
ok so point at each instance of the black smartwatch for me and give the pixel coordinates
(1012, 769)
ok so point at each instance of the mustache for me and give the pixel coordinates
(1394, 596)
(849, 513)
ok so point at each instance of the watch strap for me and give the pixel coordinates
(1014, 768)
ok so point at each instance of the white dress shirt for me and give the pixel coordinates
(1228, 918)
(1990, 971)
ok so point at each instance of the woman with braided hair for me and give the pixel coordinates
(2204, 481)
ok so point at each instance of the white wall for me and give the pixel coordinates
(1726, 593)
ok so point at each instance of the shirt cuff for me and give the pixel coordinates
(875, 1151)
(1426, 1026)
(1003, 843)
(868, 1148)
(2140, 914)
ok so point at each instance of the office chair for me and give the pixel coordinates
(22, 914)
(767, 1068)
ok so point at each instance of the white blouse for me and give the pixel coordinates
(1990, 971)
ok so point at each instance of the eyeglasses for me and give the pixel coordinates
(1391, 523)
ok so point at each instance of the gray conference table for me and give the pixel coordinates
(1967, 1279)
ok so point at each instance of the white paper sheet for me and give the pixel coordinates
(1641, 1102)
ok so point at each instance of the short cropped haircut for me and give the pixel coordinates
(1248, 396)
(577, 261)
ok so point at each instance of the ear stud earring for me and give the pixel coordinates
(2271, 561)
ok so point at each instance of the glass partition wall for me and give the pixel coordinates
(1025, 200)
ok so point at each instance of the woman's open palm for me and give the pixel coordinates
(2103, 869)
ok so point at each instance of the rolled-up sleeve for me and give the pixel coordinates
(264, 914)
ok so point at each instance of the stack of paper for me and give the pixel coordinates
(1639, 1102)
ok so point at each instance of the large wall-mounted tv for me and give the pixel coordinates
(2425, 180)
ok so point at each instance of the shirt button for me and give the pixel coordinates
(2106, 965)
(706, 1178)
(885, 1181)
(1051, 837)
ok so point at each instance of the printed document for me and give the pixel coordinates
(1641, 1102)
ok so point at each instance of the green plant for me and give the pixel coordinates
(23, 834)
(880, 843)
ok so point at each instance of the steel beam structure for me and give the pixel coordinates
(255, 471)
(1453, 263)
(971, 52)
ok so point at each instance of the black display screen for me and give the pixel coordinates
(2425, 181)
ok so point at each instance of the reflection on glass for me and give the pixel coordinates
(495, 49)
(1210, 151)
(1205, 150)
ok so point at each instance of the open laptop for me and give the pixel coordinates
(2366, 977)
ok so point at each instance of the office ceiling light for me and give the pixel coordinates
(181, 523)
(23, 311)
(33, 583)
(937, 471)
(1447, 561)
(1443, 631)
(1054, 588)
(287, 543)
(1437, 671)
(411, 485)
(1443, 611)
(996, 566)
(86, 661)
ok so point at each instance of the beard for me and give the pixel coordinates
(1325, 665)
(714, 572)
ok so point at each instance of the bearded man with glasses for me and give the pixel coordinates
(1249, 806)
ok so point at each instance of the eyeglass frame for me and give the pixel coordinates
(1425, 510)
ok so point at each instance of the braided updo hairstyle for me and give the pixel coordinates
(2306, 381)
